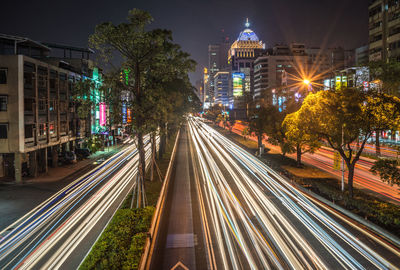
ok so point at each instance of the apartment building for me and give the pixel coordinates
(38, 118)
(384, 29)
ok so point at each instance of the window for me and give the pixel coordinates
(28, 104)
(51, 128)
(42, 105)
(28, 131)
(42, 129)
(3, 103)
(3, 131)
(3, 76)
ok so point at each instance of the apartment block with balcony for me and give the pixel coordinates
(384, 29)
(37, 116)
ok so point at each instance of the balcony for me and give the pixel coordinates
(42, 139)
(30, 142)
(375, 44)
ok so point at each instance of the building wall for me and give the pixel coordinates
(39, 113)
(222, 86)
(268, 71)
(13, 116)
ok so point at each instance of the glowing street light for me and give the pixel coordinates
(308, 83)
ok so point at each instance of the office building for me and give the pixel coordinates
(222, 84)
(242, 54)
(361, 56)
(272, 69)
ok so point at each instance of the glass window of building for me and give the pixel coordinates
(3, 76)
(3, 131)
(3, 103)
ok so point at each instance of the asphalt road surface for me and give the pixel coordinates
(58, 233)
(252, 218)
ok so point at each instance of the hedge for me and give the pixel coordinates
(121, 244)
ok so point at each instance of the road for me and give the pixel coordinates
(179, 240)
(58, 233)
(363, 178)
(252, 218)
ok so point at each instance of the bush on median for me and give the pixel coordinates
(121, 244)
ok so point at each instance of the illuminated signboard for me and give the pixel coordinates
(327, 84)
(338, 83)
(128, 116)
(344, 81)
(237, 79)
(103, 114)
(123, 113)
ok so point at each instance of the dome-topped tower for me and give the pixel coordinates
(245, 45)
(247, 34)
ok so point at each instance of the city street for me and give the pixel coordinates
(59, 232)
(258, 220)
(363, 178)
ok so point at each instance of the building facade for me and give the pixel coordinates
(217, 60)
(275, 66)
(242, 54)
(38, 117)
(222, 95)
(384, 29)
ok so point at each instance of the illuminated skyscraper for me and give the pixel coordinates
(217, 61)
(241, 56)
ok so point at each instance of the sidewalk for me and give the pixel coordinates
(58, 173)
(17, 200)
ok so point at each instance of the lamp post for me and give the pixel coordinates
(308, 83)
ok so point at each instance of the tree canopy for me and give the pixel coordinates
(342, 116)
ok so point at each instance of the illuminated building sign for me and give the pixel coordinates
(237, 79)
(338, 83)
(344, 81)
(103, 114)
(327, 84)
(366, 86)
(128, 116)
(124, 113)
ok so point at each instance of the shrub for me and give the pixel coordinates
(122, 242)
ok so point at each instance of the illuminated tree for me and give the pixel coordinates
(342, 116)
(297, 136)
(387, 170)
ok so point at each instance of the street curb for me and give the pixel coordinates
(153, 232)
(394, 240)
(371, 226)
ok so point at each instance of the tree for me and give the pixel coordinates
(219, 119)
(342, 116)
(245, 132)
(387, 170)
(385, 74)
(258, 124)
(152, 58)
(295, 131)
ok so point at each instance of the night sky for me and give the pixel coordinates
(195, 24)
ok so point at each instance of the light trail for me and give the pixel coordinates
(47, 235)
(251, 206)
(323, 159)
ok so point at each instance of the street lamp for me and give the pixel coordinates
(308, 83)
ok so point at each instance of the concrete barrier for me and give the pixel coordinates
(153, 232)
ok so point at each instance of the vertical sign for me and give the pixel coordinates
(103, 117)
